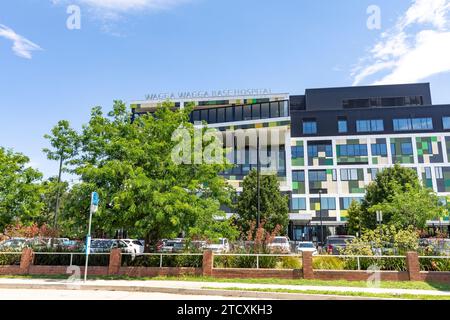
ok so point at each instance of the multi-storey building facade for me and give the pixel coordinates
(333, 142)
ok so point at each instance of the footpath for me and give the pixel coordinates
(207, 288)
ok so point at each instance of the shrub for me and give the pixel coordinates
(289, 263)
(10, 259)
(433, 264)
(153, 261)
(328, 263)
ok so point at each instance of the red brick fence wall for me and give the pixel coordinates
(413, 272)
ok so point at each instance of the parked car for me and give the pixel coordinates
(198, 245)
(39, 244)
(280, 245)
(15, 244)
(306, 247)
(335, 244)
(101, 245)
(72, 245)
(168, 245)
(137, 245)
(221, 246)
(125, 247)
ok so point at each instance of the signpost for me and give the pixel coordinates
(380, 221)
(95, 199)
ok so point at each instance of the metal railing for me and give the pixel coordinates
(71, 255)
(434, 263)
(258, 256)
(359, 258)
(7, 258)
(161, 255)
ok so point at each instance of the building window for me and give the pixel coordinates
(349, 174)
(313, 151)
(346, 202)
(298, 204)
(328, 151)
(374, 173)
(369, 126)
(413, 124)
(309, 127)
(379, 150)
(238, 113)
(439, 173)
(298, 152)
(446, 123)
(298, 176)
(265, 111)
(328, 204)
(422, 124)
(353, 150)
(318, 175)
(428, 173)
(342, 126)
(407, 148)
(220, 115)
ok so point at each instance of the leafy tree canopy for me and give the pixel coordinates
(20, 190)
(141, 188)
(274, 206)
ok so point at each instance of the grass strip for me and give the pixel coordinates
(339, 293)
(412, 285)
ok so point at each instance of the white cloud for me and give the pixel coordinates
(113, 8)
(22, 47)
(417, 47)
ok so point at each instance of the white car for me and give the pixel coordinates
(280, 245)
(307, 247)
(222, 246)
(136, 245)
(126, 247)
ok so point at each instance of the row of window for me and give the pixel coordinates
(299, 204)
(355, 150)
(310, 126)
(321, 175)
(383, 102)
(242, 113)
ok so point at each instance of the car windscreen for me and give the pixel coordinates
(337, 241)
(306, 245)
(279, 241)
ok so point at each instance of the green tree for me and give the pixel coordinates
(141, 188)
(64, 143)
(354, 218)
(274, 206)
(410, 207)
(404, 201)
(51, 191)
(20, 190)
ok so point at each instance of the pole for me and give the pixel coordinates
(88, 244)
(58, 196)
(321, 220)
(258, 179)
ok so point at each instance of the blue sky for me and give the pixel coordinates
(128, 48)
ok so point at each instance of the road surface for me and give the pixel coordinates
(36, 294)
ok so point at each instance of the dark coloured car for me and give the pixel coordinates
(336, 244)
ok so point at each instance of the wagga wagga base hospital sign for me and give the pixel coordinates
(207, 94)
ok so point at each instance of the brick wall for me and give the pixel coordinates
(257, 273)
(155, 272)
(360, 275)
(115, 268)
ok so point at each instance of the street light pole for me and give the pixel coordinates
(321, 220)
(258, 166)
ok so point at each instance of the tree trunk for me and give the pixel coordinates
(55, 222)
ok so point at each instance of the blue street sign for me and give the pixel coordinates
(95, 199)
(88, 244)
